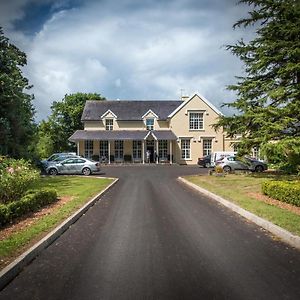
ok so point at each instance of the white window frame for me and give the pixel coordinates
(103, 149)
(196, 120)
(185, 145)
(119, 150)
(137, 149)
(163, 149)
(256, 152)
(109, 124)
(88, 148)
(151, 126)
(207, 146)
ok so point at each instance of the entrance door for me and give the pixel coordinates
(150, 148)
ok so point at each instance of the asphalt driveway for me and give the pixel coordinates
(150, 237)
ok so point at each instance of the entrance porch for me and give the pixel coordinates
(126, 146)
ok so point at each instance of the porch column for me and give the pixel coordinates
(171, 159)
(109, 152)
(78, 147)
(157, 151)
(143, 151)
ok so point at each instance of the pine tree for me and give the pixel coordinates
(268, 96)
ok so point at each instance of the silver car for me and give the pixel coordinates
(74, 165)
(231, 163)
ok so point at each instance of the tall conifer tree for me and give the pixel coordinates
(268, 96)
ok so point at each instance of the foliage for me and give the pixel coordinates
(15, 176)
(16, 109)
(268, 96)
(219, 169)
(31, 202)
(64, 120)
(286, 191)
(284, 153)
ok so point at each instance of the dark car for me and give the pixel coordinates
(204, 161)
(55, 158)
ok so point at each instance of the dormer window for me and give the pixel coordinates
(150, 123)
(109, 124)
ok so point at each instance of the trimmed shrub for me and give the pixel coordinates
(286, 191)
(31, 202)
(15, 176)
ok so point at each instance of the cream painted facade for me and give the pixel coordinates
(190, 122)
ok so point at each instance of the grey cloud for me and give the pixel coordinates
(134, 50)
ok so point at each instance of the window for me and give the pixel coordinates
(235, 147)
(255, 152)
(163, 149)
(109, 124)
(150, 124)
(196, 120)
(137, 149)
(119, 149)
(103, 151)
(185, 149)
(88, 149)
(207, 146)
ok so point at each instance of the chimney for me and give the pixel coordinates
(184, 98)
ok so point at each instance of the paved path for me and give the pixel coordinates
(153, 238)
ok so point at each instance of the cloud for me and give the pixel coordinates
(131, 50)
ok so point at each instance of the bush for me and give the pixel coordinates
(15, 177)
(284, 153)
(286, 191)
(31, 202)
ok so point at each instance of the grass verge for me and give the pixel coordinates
(78, 189)
(239, 189)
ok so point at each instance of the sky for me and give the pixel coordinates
(126, 49)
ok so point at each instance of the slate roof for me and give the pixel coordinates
(110, 135)
(128, 110)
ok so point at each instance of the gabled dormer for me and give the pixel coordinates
(149, 119)
(108, 119)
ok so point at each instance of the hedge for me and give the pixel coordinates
(286, 191)
(31, 202)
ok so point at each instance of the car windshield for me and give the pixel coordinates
(53, 157)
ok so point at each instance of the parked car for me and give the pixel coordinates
(231, 163)
(218, 155)
(56, 157)
(74, 165)
(204, 161)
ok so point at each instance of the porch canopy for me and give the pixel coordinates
(110, 135)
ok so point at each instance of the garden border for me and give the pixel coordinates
(284, 235)
(14, 268)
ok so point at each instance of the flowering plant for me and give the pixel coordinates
(15, 178)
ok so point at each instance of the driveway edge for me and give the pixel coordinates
(284, 235)
(14, 268)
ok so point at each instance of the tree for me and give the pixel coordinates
(64, 120)
(268, 96)
(16, 109)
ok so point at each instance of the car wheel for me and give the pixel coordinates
(52, 172)
(259, 169)
(86, 171)
(226, 169)
(207, 165)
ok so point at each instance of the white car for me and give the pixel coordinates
(231, 163)
(74, 165)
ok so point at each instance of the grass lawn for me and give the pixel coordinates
(77, 191)
(241, 190)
